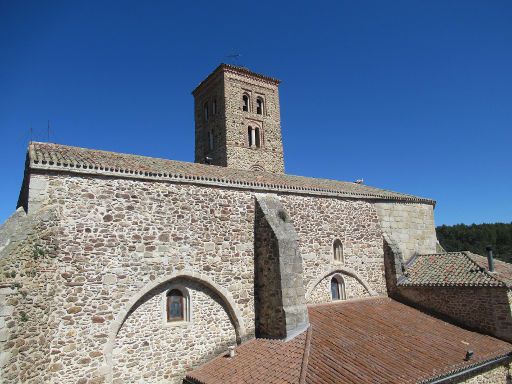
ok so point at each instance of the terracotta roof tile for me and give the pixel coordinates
(448, 269)
(375, 340)
(274, 360)
(503, 270)
(46, 156)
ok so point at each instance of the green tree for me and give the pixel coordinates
(476, 237)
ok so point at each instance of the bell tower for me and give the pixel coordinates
(237, 120)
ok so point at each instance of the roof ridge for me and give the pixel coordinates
(436, 269)
(305, 356)
(482, 269)
(59, 157)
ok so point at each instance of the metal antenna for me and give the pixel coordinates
(48, 132)
(234, 57)
(31, 132)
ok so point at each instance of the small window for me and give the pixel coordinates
(250, 136)
(259, 106)
(338, 251)
(245, 105)
(214, 107)
(205, 108)
(257, 137)
(175, 305)
(337, 288)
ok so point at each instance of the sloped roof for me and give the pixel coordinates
(376, 340)
(256, 361)
(448, 269)
(503, 270)
(56, 157)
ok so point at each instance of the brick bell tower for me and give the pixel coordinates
(237, 120)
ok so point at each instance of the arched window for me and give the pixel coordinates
(338, 251)
(214, 107)
(176, 305)
(250, 137)
(257, 141)
(259, 106)
(245, 105)
(205, 109)
(253, 137)
(337, 288)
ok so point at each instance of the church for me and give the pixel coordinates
(118, 268)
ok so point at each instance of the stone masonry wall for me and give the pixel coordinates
(27, 312)
(280, 300)
(149, 349)
(486, 309)
(319, 222)
(229, 124)
(409, 225)
(117, 236)
(270, 154)
(322, 292)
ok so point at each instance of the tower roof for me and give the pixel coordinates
(243, 71)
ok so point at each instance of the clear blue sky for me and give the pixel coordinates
(412, 96)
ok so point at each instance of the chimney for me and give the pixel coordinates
(490, 258)
(279, 295)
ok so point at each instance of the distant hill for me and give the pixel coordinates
(476, 237)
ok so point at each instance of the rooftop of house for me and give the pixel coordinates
(63, 158)
(454, 269)
(354, 342)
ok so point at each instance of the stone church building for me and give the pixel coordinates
(118, 268)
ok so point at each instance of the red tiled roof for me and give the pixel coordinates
(56, 157)
(448, 269)
(503, 270)
(275, 361)
(375, 340)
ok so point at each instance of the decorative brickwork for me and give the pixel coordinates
(245, 122)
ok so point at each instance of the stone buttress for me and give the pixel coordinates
(280, 302)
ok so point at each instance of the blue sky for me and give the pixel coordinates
(412, 96)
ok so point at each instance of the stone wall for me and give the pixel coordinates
(28, 271)
(486, 309)
(116, 237)
(321, 293)
(270, 155)
(280, 300)
(149, 349)
(320, 221)
(229, 125)
(409, 225)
